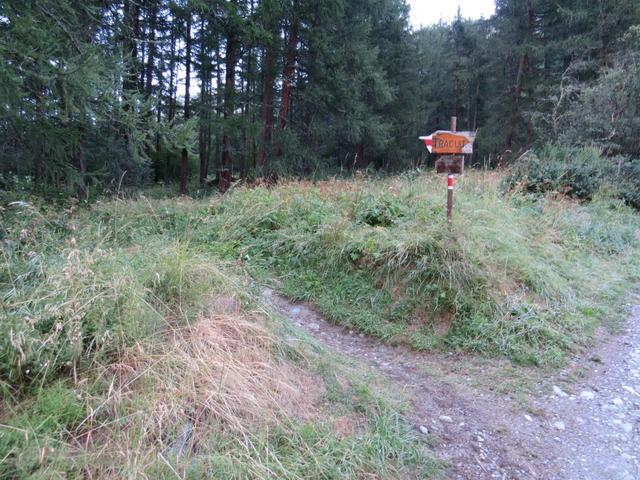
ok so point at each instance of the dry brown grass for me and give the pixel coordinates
(219, 374)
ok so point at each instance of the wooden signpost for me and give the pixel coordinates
(451, 146)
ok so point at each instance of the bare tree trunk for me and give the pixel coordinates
(82, 171)
(38, 160)
(184, 162)
(288, 76)
(140, 76)
(187, 86)
(171, 110)
(360, 160)
(204, 110)
(172, 77)
(476, 106)
(232, 52)
(219, 99)
(153, 12)
(266, 106)
(184, 156)
(130, 42)
(523, 66)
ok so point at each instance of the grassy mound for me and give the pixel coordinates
(129, 350)
(135, 341)
(528, 277)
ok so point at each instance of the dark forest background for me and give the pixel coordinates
(97, 95)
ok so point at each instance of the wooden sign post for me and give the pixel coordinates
(451, 142)
(451, 146)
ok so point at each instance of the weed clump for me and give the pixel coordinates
(379, 212)
(33, 439)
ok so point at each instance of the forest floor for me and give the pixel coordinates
(489, 420)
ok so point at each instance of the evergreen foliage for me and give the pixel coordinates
(111, 93)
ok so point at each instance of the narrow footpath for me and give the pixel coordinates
(564, 429)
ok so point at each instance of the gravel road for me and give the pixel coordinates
(565, 429)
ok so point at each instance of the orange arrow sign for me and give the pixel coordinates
(450, 143)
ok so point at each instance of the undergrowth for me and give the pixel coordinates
(575, 172)
(523, 276)
(134, 330)
(131, 349)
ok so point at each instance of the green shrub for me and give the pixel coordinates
(576, 172)
(383, 212)
(630, 183)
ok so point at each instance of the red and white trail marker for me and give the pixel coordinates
(428, 142)
(450, 146)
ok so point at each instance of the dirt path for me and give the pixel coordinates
(586, 429)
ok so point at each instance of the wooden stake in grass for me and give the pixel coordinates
(451, 146)
(450, 183)
(450, 180)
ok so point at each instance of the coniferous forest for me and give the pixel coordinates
(98, 95)
(226, 254)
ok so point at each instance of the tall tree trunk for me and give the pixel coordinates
(38, 160)
(288, 76)
(130, 42)
(153, 13)
(266, 105)
(81, 187)
(172, 77)
(523, 66)
(360, 160)
(184, 162)
(219, 99)
(204, 110)
(476, 106)
(147, 86)
(184, 157)
(248, 157)
(171, 109)
(131, 23)
(140, 78)
(232, 53)
(187, 82)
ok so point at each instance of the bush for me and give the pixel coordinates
(576, 172)
(381, 212)
(630, 183)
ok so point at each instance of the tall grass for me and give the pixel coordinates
(135, 343)
(134, 349)
(512, 275)
(71, 296)
(529, 277)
